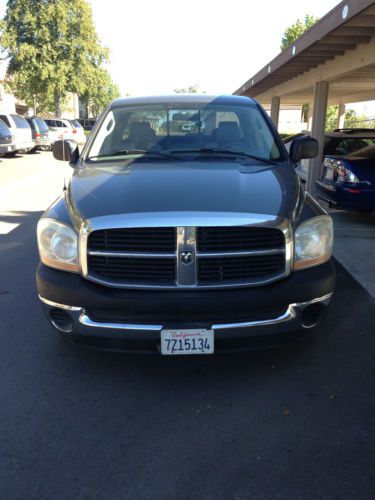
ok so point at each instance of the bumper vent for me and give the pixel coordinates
(61, 320)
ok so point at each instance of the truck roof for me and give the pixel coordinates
(183, 98)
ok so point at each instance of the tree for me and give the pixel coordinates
(297, 29)
(351, 118)
(53, 49)
(100, 91)
(192, 89)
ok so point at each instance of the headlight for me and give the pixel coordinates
(313, 241)
(58, 245)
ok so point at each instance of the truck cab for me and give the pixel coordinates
(184, 243)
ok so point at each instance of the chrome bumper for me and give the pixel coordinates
(81, 324)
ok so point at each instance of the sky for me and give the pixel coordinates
(158, 46)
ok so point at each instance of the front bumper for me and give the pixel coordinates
(133, 319)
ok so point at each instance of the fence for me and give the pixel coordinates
(368, 123)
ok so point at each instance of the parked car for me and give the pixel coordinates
(40, 133)
(21, 132)
(87, 123)
(7, 145)
(184, 243)
(78, 132)
(59, 129)
(348, 178)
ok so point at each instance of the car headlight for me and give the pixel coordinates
(313, 241)
(58, 245)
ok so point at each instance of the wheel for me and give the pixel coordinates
(12, 154)
(31, 151)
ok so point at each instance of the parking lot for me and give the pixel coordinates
(294, 422)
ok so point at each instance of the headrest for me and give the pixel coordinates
(141, 130)
(228, 132)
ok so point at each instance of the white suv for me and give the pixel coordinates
(78, 132)
(21, 132)
(59, 129)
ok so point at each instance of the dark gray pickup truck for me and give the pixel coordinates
(184, 230)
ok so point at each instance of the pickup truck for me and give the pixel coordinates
(184, 243)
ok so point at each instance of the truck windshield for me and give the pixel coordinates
(184, 129)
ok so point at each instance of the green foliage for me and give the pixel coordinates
(100, 92)
(331, 117)
(192, 89)
(351, 118)
(53, 49)
(297, 29)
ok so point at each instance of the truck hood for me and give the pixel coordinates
(196, 186)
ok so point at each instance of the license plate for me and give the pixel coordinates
(329, 174)
(199, 341)
(9, 148)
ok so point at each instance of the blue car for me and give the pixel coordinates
(348, 179)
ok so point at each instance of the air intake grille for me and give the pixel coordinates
(239, 269)
(238, 238)
(134, 270)
(158, 239)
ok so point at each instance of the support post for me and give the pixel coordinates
(309, 117)
(317, 131)
(341, 116)
(275, 110)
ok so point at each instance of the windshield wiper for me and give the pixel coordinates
(225, 152)
(129, 152)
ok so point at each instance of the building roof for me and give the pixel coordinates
(348, 25)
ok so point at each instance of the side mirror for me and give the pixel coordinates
(303, 147)
(66, 151)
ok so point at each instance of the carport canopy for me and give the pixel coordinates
(333, 62)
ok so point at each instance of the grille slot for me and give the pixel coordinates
(158, 239)
(239, 238)
(134, 270)
(240, 269)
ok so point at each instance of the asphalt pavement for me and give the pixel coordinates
(290, 423)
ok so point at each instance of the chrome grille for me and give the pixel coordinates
(155, 257)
